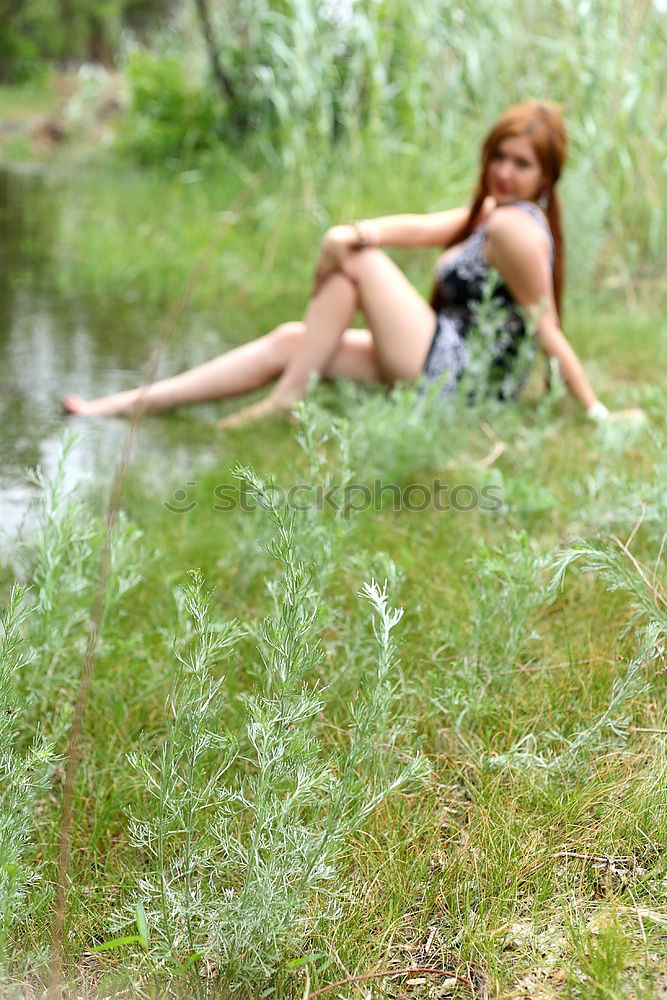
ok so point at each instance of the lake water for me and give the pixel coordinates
(54, 341)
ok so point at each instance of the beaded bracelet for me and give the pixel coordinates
(366, 233)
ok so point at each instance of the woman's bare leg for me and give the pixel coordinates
(238, 371)
(401, 326)
(400, 321)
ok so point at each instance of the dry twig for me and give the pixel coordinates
(657, 596)
(390, 972)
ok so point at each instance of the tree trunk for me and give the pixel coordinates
(99, 46)
(219, 75)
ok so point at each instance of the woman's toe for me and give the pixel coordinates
(73, 404)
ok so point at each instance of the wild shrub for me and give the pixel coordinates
(171, 117)
(246, 832)
(608, 732)
(490, 343)
(390, 437)
(61, 560)
(24, 772)
(510, 591)
(621, 502)
(339, 462)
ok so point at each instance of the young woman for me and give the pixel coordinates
(512, 226)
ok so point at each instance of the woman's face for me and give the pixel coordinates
(514, 172)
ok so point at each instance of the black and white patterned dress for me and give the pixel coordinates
(480, 329)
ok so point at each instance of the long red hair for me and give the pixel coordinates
(543, 124)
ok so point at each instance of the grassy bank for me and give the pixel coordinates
(283, 786)
(525, 848)
(26, 100)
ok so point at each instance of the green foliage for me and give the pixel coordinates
(511, 590)
(615, 564)
(24, 773)
(608, 733)
(184, 777)
(418, 79)
(489, 341)
(171, 117)
(61, 559)
(546, 744)
(423, 81)
(36, 32)
(25, 29)
(382, 435)
(258, 824)
(244, 831)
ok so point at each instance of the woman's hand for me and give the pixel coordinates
(338, 243)
(599, 414)
(632, 414)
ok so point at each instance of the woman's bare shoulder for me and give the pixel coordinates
(515, 225)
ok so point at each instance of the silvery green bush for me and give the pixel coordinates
(24, 773)
(244, 833)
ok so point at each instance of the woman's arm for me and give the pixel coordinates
(404, 231)
(518, 248)
(399, 231)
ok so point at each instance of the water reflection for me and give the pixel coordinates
(52, 342)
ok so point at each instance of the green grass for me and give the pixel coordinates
(26, 100)
(21, 107)
(528, 862)
(550, 877)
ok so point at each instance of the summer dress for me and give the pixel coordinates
(480, 329)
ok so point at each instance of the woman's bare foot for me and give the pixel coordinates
(119, 405)
(76, 405)
(249, 414)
